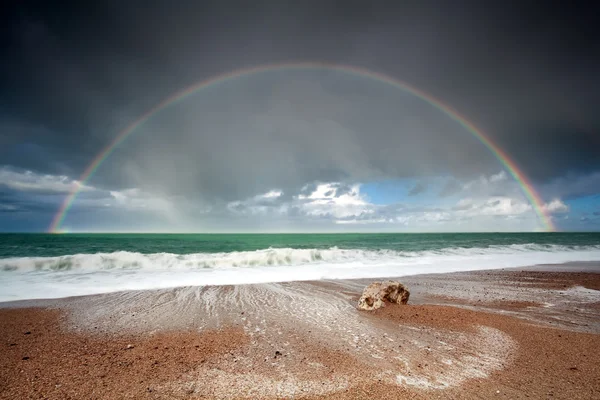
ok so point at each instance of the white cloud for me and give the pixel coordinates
(492, 206)
(261, 204)
(29, 181)
(556, 206)
(485, 184)
(334, 203)
(37, 185)
(135, 198)
(500, 176)
(326, 201)
(493, 201)
(347, 205)
(272, 194)
(361, 221)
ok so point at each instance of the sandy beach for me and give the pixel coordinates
(514, 333)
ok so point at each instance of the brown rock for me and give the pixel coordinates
(378, 293)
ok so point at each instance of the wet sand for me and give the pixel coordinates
(504, 334)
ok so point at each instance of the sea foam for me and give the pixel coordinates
(81, 274)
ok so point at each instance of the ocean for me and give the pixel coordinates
(36, 266)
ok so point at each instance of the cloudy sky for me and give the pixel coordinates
(298, 150)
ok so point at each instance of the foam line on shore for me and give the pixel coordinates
(84, 274)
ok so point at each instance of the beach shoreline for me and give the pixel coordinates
(515, 333)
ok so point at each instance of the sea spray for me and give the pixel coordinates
(82, 274)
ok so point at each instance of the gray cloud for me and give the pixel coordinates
(451, 187)
(573, 185)
(328, 206)
(79, 74)
(285, 131)
(419, 188)
(92, 84)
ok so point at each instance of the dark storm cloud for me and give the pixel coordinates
(26, 211)
(553, 148)
(281, 132)
(79, 73)
(573, 185)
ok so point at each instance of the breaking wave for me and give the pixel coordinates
(123, 260)
(81, 274)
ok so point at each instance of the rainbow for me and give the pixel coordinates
(510, 166)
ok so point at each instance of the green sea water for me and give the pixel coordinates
(49, 245)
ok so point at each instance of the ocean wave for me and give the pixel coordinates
(85, 274)
(273, 257)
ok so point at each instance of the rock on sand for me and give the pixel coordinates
(378, 293)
